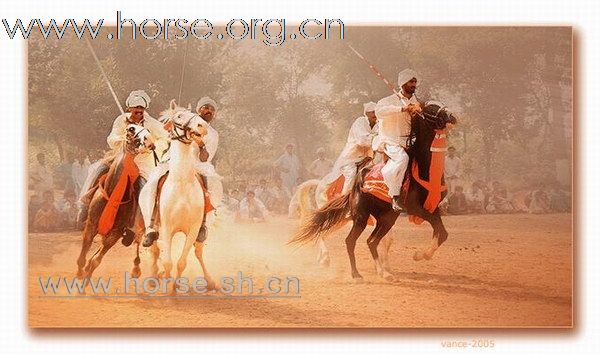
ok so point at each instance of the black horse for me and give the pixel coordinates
(425, 127)
(126, 211)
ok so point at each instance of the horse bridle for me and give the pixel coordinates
(135, 139)
(182, 137)
(434, 118)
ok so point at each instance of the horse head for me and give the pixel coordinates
(436, 115)
(138, 138)
(182, 124)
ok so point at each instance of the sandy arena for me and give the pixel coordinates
(494, 271)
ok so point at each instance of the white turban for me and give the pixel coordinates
(138, 98)
(206, 100)
(369, 107)
(406, 75)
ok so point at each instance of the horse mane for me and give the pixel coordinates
(170, 112)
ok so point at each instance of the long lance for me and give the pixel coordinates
(187, 44)
(378, 74)
(104, 76)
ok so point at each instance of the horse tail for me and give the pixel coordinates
(330, 216)
(305, 195)
(323, 220)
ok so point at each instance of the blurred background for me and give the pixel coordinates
(510, 86)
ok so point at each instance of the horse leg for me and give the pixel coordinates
(164, 244)
(107, 242)
(198, 248)
(386, 221)
(136, 271)
(182, 262)
(359, 225)
(384, 251)
(88, 237)
(139, 226)
(155, 251)
(323, 255)
(439, 233)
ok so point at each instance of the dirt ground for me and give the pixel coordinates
(494, 271)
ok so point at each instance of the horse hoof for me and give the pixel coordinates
(212, 286)
(418, 256)
(136, 272)
(389, 277)
(325, 262)
(427, 256)
(358, 279)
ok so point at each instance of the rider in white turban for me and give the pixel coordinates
(138, 98)
(137, 102)
(206, 108)
(394, 122)
(358, 146)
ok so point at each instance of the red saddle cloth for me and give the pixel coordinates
(373, 184)
(335, 188)
(128, 176)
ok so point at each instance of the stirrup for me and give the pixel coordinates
(397, 204)
(149, 238)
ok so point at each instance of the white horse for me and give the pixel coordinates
(181, 207)
(312, 192)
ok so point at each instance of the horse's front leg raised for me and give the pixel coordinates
(439, 233)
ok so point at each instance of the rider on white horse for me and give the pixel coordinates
(358, 146)
(392, 141)
(206, 149)
(137, 102)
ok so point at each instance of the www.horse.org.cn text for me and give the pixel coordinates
(271, 32)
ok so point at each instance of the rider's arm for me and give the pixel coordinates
(361, 131)
(118, 133)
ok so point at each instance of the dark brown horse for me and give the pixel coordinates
(96, 223)
(425, 128)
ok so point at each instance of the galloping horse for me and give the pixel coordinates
(421, 194)
(181, 198)
(113, 203)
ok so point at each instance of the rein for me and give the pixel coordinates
(182, 137)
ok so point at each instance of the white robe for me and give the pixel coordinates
(394, 128)
(41, 179)
(118, 136)
(358, 146)
(291, 166)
